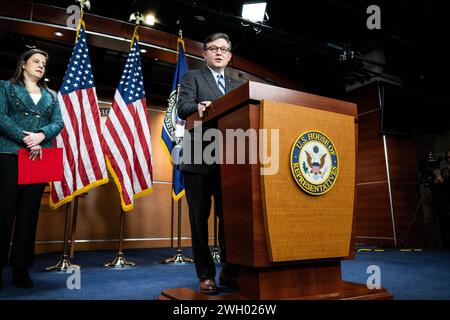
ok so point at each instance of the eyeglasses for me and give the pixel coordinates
(215, 49)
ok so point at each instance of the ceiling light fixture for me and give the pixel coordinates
(254, 12)
(150, 19)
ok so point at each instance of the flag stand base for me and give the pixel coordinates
(178, 258)
(120, 262)
(64, 261)
(63, 265)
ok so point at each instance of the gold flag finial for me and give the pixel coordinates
(84, 4)
(137, 17)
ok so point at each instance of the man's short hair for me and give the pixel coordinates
(216, 36)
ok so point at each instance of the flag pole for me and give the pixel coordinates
(120, 261)
(64, 261)
(171, 221)
(178, 257)
(74, 227)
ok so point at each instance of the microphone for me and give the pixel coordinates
(241, 75)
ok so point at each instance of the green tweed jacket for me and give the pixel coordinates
(18, 113)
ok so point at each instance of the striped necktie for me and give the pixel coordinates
(221, 83)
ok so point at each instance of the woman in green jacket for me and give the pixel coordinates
(30, 118)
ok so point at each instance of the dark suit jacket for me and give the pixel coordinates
(197, 86)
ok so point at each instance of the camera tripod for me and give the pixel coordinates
(414, 218)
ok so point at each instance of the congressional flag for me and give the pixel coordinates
(83, 159)
(128, 147)
(173, 126)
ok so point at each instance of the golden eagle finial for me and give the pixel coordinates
(84, 4)
(137, 17)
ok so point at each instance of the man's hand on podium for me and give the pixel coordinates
(202, 106)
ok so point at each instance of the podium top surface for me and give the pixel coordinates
(255, 92)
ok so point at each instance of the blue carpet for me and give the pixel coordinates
(407, 275)
(421, 275)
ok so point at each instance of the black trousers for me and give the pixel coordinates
(21, 202)
(199, 190)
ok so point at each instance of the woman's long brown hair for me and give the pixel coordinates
(18, 74)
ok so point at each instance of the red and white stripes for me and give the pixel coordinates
(128, 149)
(81, 140)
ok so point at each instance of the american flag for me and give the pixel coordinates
(83, 158)
(126, 133)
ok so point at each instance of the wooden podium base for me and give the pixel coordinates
(310, 281)
(349, 291)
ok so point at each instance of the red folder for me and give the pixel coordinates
(50, 168)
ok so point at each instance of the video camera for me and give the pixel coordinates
(429, 163)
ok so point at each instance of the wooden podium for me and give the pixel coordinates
(288, 244)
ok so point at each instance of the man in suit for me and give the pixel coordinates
(198, 89)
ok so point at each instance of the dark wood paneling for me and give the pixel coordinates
(366, 97)
(16, 9)
(371, 164)
(46, 13)
(402, 158)
(373, 214)
(348, 291)
(408, 214)
(278, 283)
(405, 190)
